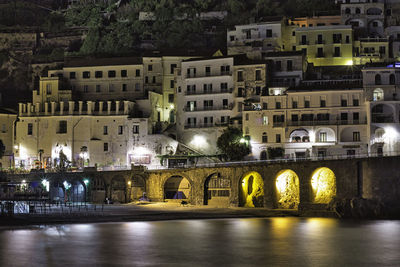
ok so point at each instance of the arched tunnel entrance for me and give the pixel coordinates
(138, 187)
(217, 190)
(287, 190)
(251, 190)
(323, 183)
(177, 187)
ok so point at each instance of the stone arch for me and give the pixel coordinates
(251, 190)
(177, 187)
(299, 135)
(383, 113)
(57, 191)
(263, 155)
(346, 134)
(118, 189)
(323, 185)
(392, 79)
(98, 189)
(78, 190)
(217, 190)
(355, 22)
(378, 94)
(137, 187)
(329, 136)
(378, 79)
(287, 189)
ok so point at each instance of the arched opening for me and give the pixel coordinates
(299, 135)
(358, 10)
(263, 155)
(251, 190)
(323, 183)
(378, 94)
(118, 190)
(217, 190)
(287, 188)
(138, 187)
(98, 190)
(57, 192)
(382, 113)
(392, 79)
(177, 187)
(77, 192)
(347, 11)
(378, 79)
(325, 135)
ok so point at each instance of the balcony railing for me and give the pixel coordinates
(326, 122)
(199, 125)
(382, 119)
(320, 42)
(209, 108)
(208, 74)
(205, 92)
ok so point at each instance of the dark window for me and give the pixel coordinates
(258, 75)
(120, 130)
(356, 116)
(105, 130)
(264, 138)
(278, 138)
(86, 88)
(111, 74)
(173, 66)
(265, 106)
(337, 52)
(306, 103)
(172, 84)
(86, 74)
(320, 52)
(146, 79)
(323, 103)
(72, 75)
(150, 67)
(344, 103)
(124, 87)
(98, 74)
(240, 76)
(268, 33)
(278, 65)
(154, 79)
(30, 128)
(124, 73)
(295, 117)
(105, 147)
(303, 40)
(62, 127)
(278, 105)
(392, 79)
(356, 102)
(170, 98)
(208, 71)
(294, 104)
(98, 88)
(343, 116)
(378, 79)
(137, 73)
(289, 65)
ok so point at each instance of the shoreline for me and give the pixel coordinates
(150, 212)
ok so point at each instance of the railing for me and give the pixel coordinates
(320, 42)
(208, 74)
(205, 92)
(209, 108)
(326, 122)
(382, 119)
(200, 125)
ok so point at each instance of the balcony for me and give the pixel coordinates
(199, 125)
(320, 42)
(207, 92)
(380, 118)
(304, 43)
(208, 74)
(209, 108)
(326, 122)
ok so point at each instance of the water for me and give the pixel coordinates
(232, 242)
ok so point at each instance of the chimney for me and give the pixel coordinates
(53, 107)
(100, 107)
(80, 103)
(20, 108)
(116, 107)
(61, 107)
(108, 107)
(29, 108)
(126, 107)
(37, 108)
(89, 107)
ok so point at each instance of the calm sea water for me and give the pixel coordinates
(232, 242)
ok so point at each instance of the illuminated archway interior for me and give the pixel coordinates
(177, 187)
(323, 183)
(252, 190)
(287, 187)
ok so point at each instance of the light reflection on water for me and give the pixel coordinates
(233, 242)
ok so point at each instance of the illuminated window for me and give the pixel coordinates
(356, 136)
(135, 129)
(322, 137)
(265, 120)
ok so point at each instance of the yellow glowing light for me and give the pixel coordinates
(141, 151)
(129, 183)
(287, 185)
(16, 146)
(172, 106)
(323, 183)
(349, 62)
(252, 190)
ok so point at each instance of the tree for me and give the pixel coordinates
(275, 152)
(233, 145)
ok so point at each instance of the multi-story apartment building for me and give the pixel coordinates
(252, 39)
(205, 101)
(326, 45)
(381, 85)
(307, 122)
(315, 21)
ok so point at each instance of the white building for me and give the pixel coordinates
(205, 101)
